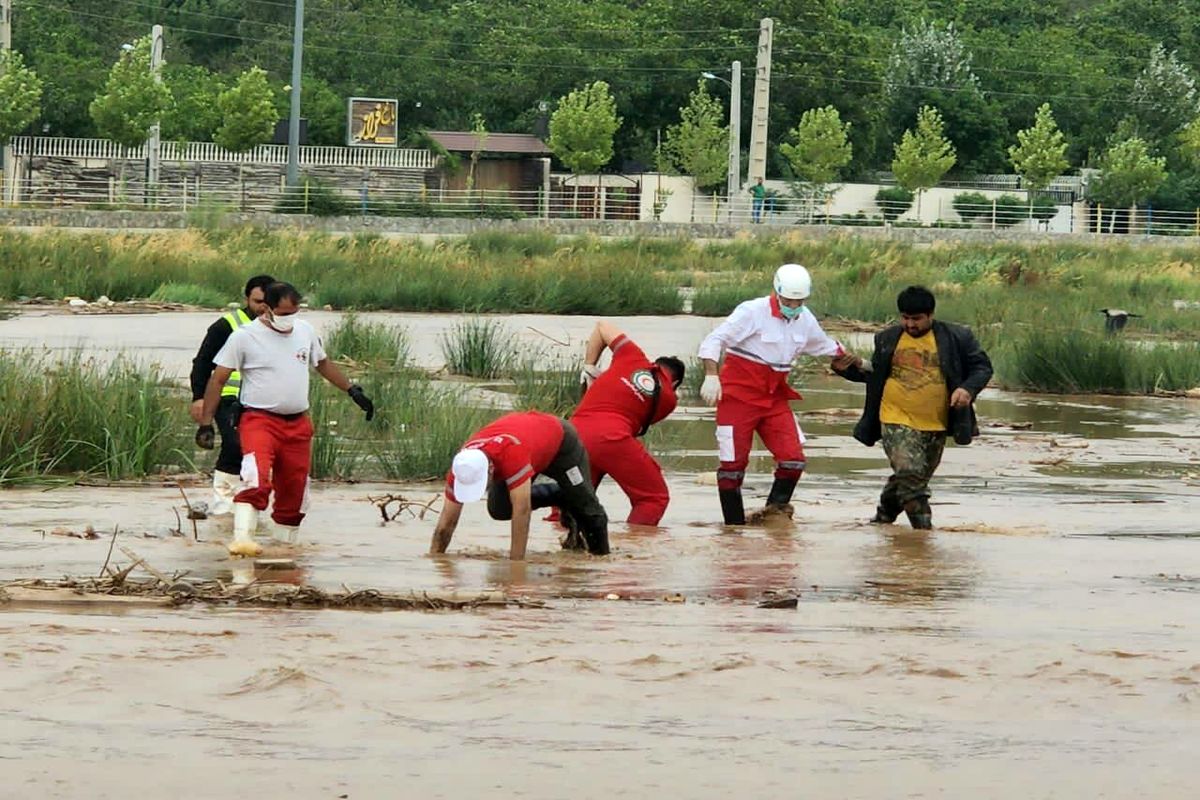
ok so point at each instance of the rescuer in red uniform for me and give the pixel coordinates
(760, 340)
(619, 405)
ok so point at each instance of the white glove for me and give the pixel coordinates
(710, 390)
(588, 375)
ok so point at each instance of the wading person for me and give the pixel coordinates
(760, 340)
(502, 459)
(229, 457)
(922, 381)
(619, 405)
(274, 355)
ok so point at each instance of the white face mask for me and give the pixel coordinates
(283, 324)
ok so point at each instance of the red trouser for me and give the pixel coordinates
(776, 426)
(623, 457)
(275, 451)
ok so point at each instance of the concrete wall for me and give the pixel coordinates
(413, 226)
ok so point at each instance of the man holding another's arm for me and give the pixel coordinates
(923, 379)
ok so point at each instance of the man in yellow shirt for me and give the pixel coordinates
(921, 384)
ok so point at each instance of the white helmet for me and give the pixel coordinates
(792, 282)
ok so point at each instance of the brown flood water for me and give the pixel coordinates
(1041, 643)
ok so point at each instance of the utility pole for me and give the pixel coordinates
(293, 153)
(6, 160)
(153, 146)
(762, 97)
(5, 25)
(734, 183)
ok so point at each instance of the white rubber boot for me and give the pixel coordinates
(245, 519)
(285, 534)
(225, 486)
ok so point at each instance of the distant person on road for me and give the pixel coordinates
(501, 461)
(759, 193)
(921, 385)
(229, 457)
(759, 342)
(619, 405)
(274, 355)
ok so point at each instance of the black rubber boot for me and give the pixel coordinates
(544, 495)
(574, 539)
(919, 515)
(781, 491)
(884, 516)
(732, 508)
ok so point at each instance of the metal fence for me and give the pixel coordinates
(607, 203)
(196, 152)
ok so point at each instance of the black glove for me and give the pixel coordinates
(362, 401)
(206, 437)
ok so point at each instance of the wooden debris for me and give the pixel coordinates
(260, 594)
(414, 508)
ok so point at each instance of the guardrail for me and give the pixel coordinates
(188, 195)
(194, 152)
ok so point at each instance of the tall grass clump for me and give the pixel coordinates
(1071, 362)
(478, 348)
(523, 244)
(555, 391)
(364, 342)
(189, 294)
(419, 426)
(77, 416)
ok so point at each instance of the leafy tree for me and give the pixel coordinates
(1040, 153)
(132, 100)
(930, 56)
(820, 150)
(1128, 174)
(582, 128)
(20, 95)
(195, 113)
(248, 115)
(1164, 95)
(923, 156)
(480, 135)
(699, 144)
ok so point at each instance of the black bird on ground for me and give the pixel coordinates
(1115, 319)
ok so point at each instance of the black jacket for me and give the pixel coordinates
(202, 365)
(964, 365)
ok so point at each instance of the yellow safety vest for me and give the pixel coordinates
(233, 386)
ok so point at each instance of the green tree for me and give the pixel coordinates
(20, 95)
(1128, 174)
(582, 130)
(248, 115)
(1040, 153)
(132, 100)
(195, 113)
(818, 149)
(699, 144)
(923, 156)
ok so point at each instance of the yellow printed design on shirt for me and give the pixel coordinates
(914, 394)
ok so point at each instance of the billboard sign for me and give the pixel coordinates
(372, 122)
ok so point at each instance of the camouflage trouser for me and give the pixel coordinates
(914, 456)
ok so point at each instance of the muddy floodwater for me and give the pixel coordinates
(1041, 642)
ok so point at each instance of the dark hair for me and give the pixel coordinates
(916, 300)
(672, 365)
(258, 282)
(279, 291)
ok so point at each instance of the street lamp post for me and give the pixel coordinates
(733, 178)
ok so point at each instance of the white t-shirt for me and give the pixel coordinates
(274, 365)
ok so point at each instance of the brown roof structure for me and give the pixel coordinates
(464, 142)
